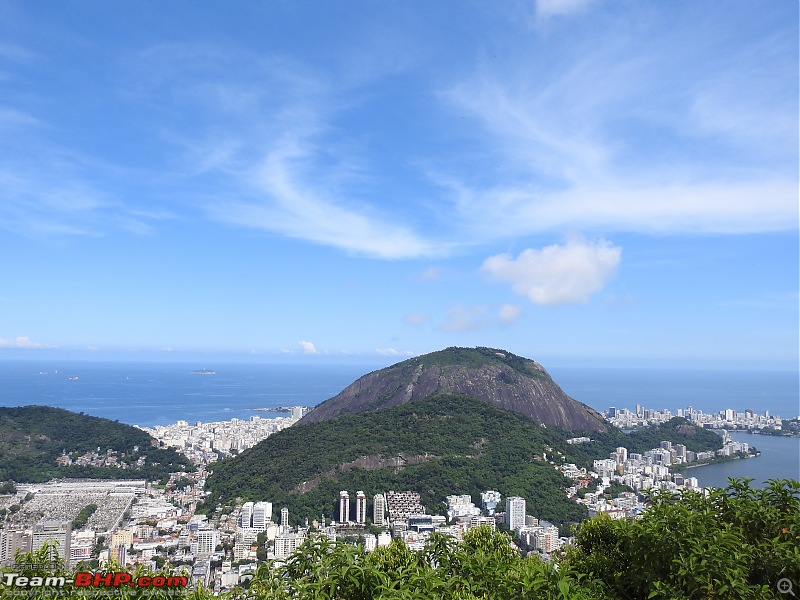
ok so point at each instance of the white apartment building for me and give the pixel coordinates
(246, 516)
(379, 510)
(262, 515)
(207, 540)
(286, 543)
(515, 512)
(344, 506)
(361, 507)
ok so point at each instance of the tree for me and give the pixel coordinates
(735, 542)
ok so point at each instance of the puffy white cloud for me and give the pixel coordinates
(308, 348)
(557, 274)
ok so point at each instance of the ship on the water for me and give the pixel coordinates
(204, 372)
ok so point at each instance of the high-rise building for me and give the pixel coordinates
(246, 518)
(118, 554)
(207, 540)
(284, 518)
(344, 506)
(379, 510)
(286, 543)
(10, 543)
(515, 512)
(55, 533)
(262, 515)
(361, 507)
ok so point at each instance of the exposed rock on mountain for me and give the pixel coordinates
(506, 380)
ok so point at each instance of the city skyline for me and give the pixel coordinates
(575, 181)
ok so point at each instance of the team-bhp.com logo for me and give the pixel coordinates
(84, 579)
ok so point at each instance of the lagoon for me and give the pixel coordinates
(780, 459)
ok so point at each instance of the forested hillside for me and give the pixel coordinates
(33, 437)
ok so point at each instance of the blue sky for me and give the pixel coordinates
(589, 182)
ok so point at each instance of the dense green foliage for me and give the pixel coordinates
(32, 437)
(475, 358)
(485, 565)
(465, 446)
(83, 516)
(735, 543)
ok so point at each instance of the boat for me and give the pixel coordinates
(204, 372)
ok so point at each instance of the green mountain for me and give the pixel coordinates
(394, 430)
(504, 379)
(440, 445)
(33, 438)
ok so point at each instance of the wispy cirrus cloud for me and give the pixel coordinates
(652, 142)
(294, 207)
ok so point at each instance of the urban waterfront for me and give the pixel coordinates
(780, 459)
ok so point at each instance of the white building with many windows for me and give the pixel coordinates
(361, 507)
(515, 512)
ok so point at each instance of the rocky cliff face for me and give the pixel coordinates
(504, 379)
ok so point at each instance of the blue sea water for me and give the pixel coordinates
(150, 394)
(161, 393)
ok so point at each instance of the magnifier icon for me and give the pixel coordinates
(784, 586)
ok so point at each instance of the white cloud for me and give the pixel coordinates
(394, 352)
(308, 348)
(22, 342)
(549, 8)
(655, 141)
(293, 206)
(557, 274)
(668, 208)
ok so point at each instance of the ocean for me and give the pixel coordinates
(149, 394)
(161, 393)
